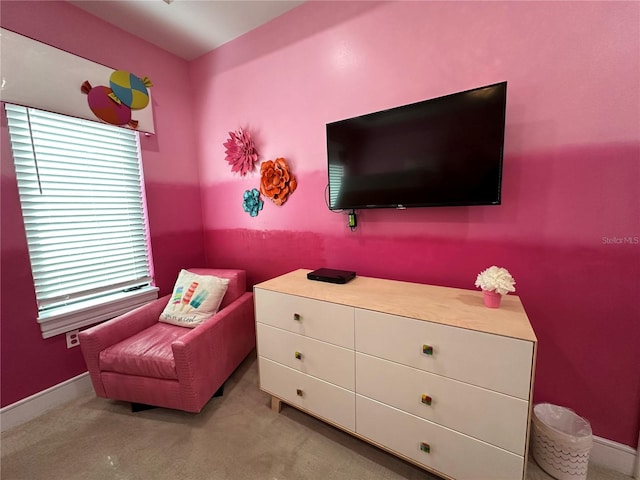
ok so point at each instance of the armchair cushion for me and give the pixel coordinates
(147, 353)
(195, 298)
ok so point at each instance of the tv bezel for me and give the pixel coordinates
(467, 203)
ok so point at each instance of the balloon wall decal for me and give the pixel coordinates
(131, 90)
(113, 104)
(105, 108)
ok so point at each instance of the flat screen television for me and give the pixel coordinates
(446, 151)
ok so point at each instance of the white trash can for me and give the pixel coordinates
(561, 441)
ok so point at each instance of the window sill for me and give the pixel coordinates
(65, 319)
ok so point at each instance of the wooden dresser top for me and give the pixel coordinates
(445, 305)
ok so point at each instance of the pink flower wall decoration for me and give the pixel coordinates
(241, 152)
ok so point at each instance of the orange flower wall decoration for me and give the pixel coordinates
(276, 180)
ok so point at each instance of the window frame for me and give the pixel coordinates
(77, 310)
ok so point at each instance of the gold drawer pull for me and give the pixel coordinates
(425, 447)
(297, 317)
(426, 399)
(427, 349)
(299, 392)
(298, 355)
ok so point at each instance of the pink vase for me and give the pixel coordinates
(491, 299)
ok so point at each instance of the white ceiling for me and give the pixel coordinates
(187, 28)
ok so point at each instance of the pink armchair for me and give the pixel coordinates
(137, 359)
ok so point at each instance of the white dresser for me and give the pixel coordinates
(427, 373)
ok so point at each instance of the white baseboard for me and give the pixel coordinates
(615, 456)
(31, 407)
(638, 459)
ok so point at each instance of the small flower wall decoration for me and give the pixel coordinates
(276, 180)
(241, 152)
(252, 204)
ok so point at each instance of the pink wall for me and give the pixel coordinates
(571, 171)
(29, 363)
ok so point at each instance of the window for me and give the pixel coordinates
(80, 186)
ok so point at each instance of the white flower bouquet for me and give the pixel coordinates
(496, 279)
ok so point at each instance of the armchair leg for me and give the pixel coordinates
(140, 407)
(220, 391)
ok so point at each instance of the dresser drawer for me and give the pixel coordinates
(456, 455)
(328, 401)
(323, 360)
(491, 361)
(329, 322)
(484, 414)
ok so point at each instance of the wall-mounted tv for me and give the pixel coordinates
(446, 151)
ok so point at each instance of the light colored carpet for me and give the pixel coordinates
(235, 437)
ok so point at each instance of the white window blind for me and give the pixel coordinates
(80, 189)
